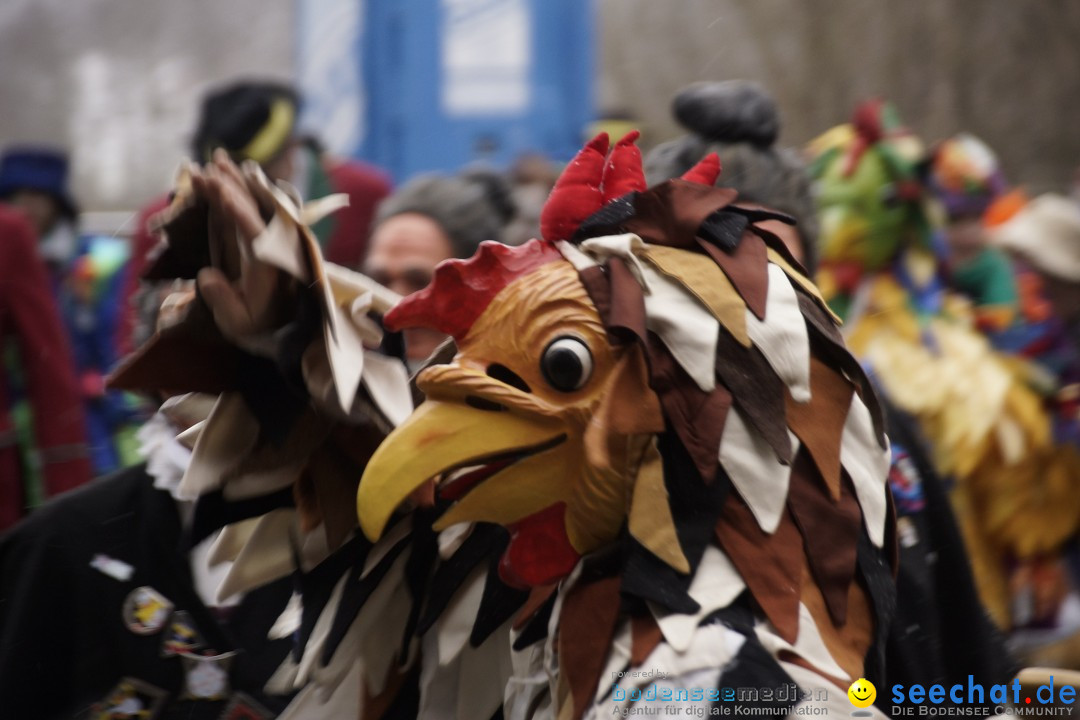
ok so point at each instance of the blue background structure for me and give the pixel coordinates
(407, 127)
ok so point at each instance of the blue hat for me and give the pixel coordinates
(41, 169)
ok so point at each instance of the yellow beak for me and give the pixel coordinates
(442, 436)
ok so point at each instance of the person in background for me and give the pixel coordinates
(34, 180)
(86, 273)
(739, 121)
(1044, 236)
(965, 176)
(29, 319)
(257, 120)
(430, 219)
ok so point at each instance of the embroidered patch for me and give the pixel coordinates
(131, 698)
(206, 677)
(146, 611)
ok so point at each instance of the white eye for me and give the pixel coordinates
(567, 364)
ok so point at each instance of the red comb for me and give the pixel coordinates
(576, 194)
(462, 289)
(623, 173)
(868, 122)
(705, 172)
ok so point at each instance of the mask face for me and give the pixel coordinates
(861, 219)
(518, 429)
(871, 202)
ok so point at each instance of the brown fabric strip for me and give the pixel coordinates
(770, 565)
(598, 288)
(697, 417)
(757, 389)
(191, 356)
(847, 642)
(645, 635)
(671, 213)
(773, 241)
(537, 597)
(819, 424)
(627, 305)
(830, 531)
(747, 268)
(826, 343)
(586, 630)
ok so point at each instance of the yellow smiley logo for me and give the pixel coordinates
(862, 693)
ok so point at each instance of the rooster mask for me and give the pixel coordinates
(656, 374)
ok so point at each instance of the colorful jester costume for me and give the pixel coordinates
(880, 270)
(89, 300)
(655, 402)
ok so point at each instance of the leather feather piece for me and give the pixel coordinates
(213, 512)
(498, 605)
(782, 338)
(809, 647)
(715, 586)
(697, 417)
(184, 222)
(685, 326)
(671, 213)
(586, 628)
(754, 666)
(827, 344)
(626, 301)
(724, 229)
(266, 555)
(707, 282)
(695, 507)
(358, 590)
(757, 391)
(868, 467)
(770, 564)
(846, 642)
(747, 268)
(650, 512)
(645, 636)
(819, 424)
(190, 356)
(830, 531)
(755, 471)
(484, 542)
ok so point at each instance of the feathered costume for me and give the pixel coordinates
(276, 464)
(651, 449)
(656, 403)
(881, 270)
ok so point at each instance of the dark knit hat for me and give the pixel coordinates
(37, 168)
(251, 119)
(739, 121)
(466, 207)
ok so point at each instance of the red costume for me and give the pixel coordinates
(28, 313)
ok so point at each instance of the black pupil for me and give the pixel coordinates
(563, 368)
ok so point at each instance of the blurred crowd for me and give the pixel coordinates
(959, 292)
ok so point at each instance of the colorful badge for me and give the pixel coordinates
(130, 698)
(243, 707)
(146, 611)
(206, 677)
(181, 636)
